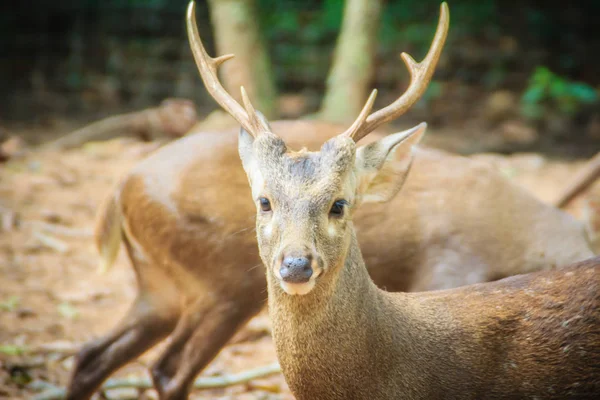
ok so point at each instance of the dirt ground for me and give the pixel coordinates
(52, 299)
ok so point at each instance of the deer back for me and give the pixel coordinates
(456, 221)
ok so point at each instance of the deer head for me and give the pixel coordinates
(305, 200)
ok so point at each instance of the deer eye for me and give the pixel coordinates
(265, 204)
(337, 209)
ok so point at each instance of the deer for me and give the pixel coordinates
(339, 336)
(187, 225)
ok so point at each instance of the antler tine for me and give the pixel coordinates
(207, 66)
(256, 122)
(354, 130)
(420, 75)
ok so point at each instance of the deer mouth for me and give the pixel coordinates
(299, 289)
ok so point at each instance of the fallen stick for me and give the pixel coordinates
(100, 130)
(60, 230)
(51, 242)
(53, 393)
(581, 181)
(216, 382)
(173, 117)
(63, 348)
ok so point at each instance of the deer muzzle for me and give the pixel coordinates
(296, 267)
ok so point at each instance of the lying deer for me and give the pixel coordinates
(338, 336)
(188, 227)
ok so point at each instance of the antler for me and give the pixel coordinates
(207, 66)
(420, 75)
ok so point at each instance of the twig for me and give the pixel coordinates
(64, 348)
(173, 117)
(213, 382)
(51, 242)
(55, 393)
(580, 182)
(8, 219)
(60, 230)
(38, 385)
(96, 129)
(216, 382)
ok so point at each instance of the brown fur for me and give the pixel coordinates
(531, 336)
(187, 212)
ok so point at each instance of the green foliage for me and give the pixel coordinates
(68, 311)
(312, 22)
(10, 304)
(413, 22)
(547, 92)
(495, 76)
(12, 349)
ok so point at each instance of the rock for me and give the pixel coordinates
(292, 105)
(177, 116)
(9, 219)
(25, 312)
(557, 125)
(123, 393)
(65, 177)
(12, 147)
(149, 395)
(593, 128)
(500, 105)
(517, 132)
(508, 45)
(55, 329)
(51, 216)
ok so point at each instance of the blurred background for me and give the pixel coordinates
(523, 72)
(89, 88)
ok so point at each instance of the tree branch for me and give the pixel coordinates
(204, 383)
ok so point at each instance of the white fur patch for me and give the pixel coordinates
(331, 230)
(258, 183)
(267, 230)
(297, 288)
(135, 245)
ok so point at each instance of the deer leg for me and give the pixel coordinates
(152, 317)
(201, 333)
(140, 330)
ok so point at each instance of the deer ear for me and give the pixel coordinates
(245, 146)
(246, 150)
(381, 167)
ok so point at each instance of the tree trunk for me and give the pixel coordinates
(353, 63)
(236, 31)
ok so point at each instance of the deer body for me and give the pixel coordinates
(439, 233)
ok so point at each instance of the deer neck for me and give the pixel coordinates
(343, 326)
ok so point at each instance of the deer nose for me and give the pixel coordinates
(296, 269)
